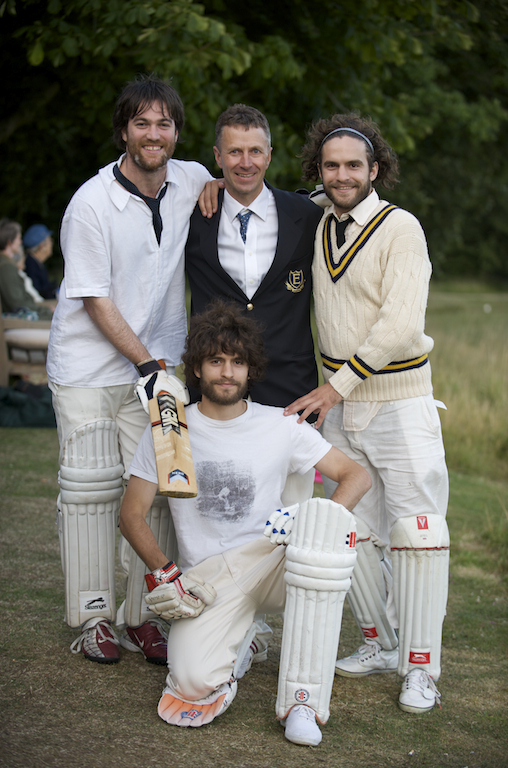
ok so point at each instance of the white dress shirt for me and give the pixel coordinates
(247, 263)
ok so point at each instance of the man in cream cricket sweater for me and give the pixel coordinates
(371, 274)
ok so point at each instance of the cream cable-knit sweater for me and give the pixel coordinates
(374, 314)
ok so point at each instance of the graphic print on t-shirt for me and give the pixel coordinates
(226, 490)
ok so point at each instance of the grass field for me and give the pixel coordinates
(63, 711)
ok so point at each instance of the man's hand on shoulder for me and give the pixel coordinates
(318, 401)
(208, 200)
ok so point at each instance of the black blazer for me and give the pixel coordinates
(281, 305)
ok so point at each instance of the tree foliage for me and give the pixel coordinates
(432, 73)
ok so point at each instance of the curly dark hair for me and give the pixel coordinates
(139, 95)
(223, 328)
(383, 154)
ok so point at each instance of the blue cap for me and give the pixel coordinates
(35, 235)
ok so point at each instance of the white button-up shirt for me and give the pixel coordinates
(247, 263)
(110, 249)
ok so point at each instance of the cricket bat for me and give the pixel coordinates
(175, 468)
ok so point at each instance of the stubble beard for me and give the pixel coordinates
(157, 163)
(362, 191)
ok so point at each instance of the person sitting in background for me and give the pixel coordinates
(13, 294)
(38, 245)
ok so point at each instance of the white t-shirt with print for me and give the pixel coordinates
(241, 469)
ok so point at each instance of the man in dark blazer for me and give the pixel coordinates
(263, 263)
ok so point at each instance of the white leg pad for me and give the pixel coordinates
(368, 594)
(136, 611)
(319, 563)
(91, 487)
(420, 548)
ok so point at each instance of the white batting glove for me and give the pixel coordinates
(177, 596)
(280, 523)
(154, 379)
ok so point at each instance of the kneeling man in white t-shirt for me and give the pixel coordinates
(229, 572)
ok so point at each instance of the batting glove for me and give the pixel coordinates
(154, 379)
(173, 596)
(280, 523)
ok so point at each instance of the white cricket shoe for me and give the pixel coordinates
(301, 726)
(368, 659)
(419, 692)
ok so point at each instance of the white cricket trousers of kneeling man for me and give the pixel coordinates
(202, 651)
(402, 449)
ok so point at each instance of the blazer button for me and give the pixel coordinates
(250, 306)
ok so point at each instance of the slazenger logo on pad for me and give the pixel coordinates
(419, 658)
(369, 631)
(96, 605)
(421, 521)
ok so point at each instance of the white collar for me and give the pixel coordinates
(362, 212)
(119, 195)
(259, 205)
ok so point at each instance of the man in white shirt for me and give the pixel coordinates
(121, 308)
(256, 250)
(242, 454)
(371, 274)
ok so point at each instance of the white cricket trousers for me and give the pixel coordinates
(76, 406)
(402, 449)
(202, 651)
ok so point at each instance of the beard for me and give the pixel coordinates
(223, 398)
(345, 204)
(133, 149)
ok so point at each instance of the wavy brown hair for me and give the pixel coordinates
(383, 154)
(139, 95)
(223, 328)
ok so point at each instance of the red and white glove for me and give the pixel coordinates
(154, 379)
(174, 596)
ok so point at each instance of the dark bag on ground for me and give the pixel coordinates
(26, 405)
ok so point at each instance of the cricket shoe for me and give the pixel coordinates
(419, 692)
(97, 641)
(301, 727)
(185, 713)
(368, 659)
(149, 638)
(258, 648)
(255, 654)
